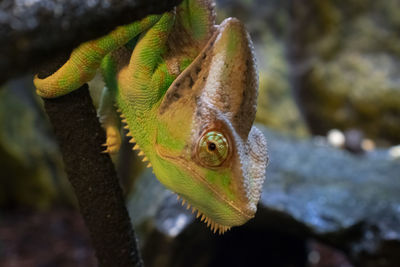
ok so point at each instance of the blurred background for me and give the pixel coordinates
(329, 105)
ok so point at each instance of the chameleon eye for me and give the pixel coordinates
(213, 149)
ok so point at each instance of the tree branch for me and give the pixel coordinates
(93, 178)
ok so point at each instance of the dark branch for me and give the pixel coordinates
(93, 177)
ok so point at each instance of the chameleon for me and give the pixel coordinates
(185, 89)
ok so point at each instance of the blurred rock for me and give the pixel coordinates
(31, 166)
(346, 63)
(312, 191)
(354, 141)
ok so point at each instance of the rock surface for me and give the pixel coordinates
(312, 191)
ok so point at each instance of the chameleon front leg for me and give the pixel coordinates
(109, 119)
(85, 60)
(108, 116)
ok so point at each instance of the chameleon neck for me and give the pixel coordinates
(139, 120)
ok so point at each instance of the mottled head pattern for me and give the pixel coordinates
(216, 95)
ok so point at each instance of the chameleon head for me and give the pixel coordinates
(218, 164)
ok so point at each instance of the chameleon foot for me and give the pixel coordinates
(113, 142)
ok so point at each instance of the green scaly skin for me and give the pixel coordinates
(186, 90)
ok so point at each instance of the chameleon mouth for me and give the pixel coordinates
(215, 227)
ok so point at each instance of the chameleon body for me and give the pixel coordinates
(186, 90)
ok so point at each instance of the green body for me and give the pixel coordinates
(186, 90)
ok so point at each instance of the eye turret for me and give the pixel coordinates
(213, 149)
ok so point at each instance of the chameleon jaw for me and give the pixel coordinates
(215, 227)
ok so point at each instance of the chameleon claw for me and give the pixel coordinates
(149, 165)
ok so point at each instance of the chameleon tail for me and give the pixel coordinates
(85, 60)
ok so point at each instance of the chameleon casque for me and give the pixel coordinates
(186, 90)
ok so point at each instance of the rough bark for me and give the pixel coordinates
(93, 178)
